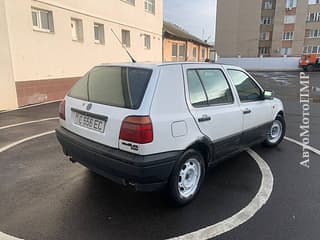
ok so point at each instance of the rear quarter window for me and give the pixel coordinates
(114, 86)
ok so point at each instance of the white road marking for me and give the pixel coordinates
(244, 214)
(226, 225)
(33, 105)
(29, 122)
(4, 236)
(310, 148)
(11, 145)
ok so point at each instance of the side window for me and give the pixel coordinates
(196, 92)
(216, 86)
(208, 86)
(246, 87)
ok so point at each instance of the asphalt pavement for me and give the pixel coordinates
(45, 196)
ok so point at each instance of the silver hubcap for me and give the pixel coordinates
(189, 177)
(275, 131)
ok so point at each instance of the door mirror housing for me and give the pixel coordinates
(267, 94)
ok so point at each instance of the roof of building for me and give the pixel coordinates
(174, 31)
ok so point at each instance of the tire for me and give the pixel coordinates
(310, 68)
(276, 132)
(186, 178)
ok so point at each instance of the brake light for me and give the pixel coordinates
(137, 129)
(62, 109)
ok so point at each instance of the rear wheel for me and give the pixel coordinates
(186, 178)
(276, 132)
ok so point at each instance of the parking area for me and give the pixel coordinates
(260, 194)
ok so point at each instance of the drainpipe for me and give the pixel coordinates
(186, 53)
(163, 39)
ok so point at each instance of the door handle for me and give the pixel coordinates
(246, 111)
(204, 118)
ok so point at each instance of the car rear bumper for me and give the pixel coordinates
(144, 173)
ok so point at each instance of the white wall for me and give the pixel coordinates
(264, 64)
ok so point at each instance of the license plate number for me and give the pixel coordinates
(89, 122)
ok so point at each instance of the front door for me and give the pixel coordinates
(257, 112)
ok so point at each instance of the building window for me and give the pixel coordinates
(313, 17)
(266, 20)
(174, 50)
(76, 29)
(182, 51)
(264, 51)
(132, 2)
(286, 51)
(149, 6)
(289, 19)
(291, 4)
(267, 4)
(287, 36)
(312, 49)
(315, 49)
(125, 38)
(194, 52)
(42, 20)
(314, 33)
(147, 41)
(265, 36)
(98, 33)
(203, 53)
(310, 2)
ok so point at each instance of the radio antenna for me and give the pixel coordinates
(123, 46)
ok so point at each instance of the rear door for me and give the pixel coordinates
(257, 112)
(98, 103)
(215, 110)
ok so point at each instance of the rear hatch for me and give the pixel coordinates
(98, 102)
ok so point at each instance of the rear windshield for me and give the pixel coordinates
(115, 86)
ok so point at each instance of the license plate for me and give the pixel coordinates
(89, 122)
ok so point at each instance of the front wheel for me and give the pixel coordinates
(276, 132)
(186, 178)
(310, 68)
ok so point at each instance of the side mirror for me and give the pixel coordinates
(267, 94)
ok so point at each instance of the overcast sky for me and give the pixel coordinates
(195, 16)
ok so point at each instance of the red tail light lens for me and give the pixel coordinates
(137, 129)
(62, 109)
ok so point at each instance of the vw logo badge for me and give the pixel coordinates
(89, 106)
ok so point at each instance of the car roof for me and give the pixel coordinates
(157, 64)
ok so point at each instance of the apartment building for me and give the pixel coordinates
(253, 28)
(46, 45)
(179, 45)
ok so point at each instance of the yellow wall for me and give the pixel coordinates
(28, 55)
(39, 55)
(8, 98)
(167, 51)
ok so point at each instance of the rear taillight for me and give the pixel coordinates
(62, 109)
(137, 129)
